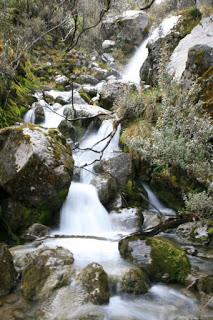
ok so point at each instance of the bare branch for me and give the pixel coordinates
(148, 5)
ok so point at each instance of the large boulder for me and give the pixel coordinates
(162, 259)
(111, 91)
(7, 270)
(36, 165)
(127, 30)
(112, 174)
(47, 269)
(95, 281)
(36, 169)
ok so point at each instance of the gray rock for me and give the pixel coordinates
(35, 231)
(194, 233)
(200, 60)
(106, 187)
(67, 129)
(39, 113)
(107, 45)
(48, 269)
(119, 167)
(127, 30)
(202, 35)
(95, 282)
(7, 271)
(36, 166)
(135, 281)
(111, 91)
(161, 258)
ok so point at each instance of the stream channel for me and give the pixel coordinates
(83, 215)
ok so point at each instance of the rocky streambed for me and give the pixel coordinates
(101, 261)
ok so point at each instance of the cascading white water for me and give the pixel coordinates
(82, 212)
(132, 70)
(155, 204)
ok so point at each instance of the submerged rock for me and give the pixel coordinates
(95, 282)
(135, 281)
(7, 271)
(162, 259)
(48, 269)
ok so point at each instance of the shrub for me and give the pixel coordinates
(199, 204)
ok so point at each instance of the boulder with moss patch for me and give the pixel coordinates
(36, 165)
(95, 281)
(161, 258)
(47, 270)
(135, 281)
(36, 169)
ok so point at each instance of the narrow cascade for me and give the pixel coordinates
(29, 117)
(132, 70)
(83, 213)
(154, 203)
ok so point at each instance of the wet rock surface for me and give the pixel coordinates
(94, 279)
(7, 271)
(162, 259)
(47, 269)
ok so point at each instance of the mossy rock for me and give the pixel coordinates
(46, 270)
(135, 281)
(161, 258)
(95, 281)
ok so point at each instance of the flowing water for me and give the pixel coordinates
(83, 215)
(132, 70)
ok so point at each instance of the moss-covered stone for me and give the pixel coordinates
(47, 269)
(95, 281)
(135, 281)
(168, 260)
(161, 258)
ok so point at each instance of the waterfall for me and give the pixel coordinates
(82, 212)
(154, 203)
(132, 70)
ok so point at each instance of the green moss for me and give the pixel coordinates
(168, 259)
(132, 195)
(135, 281)
(85, 96)
(190, 18)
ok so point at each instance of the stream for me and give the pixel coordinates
(83, 215)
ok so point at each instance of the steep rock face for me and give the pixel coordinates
(127, 30)
(7, 270)
(149, 72)
(199, 65)
(202, 35)
(35, 165)
(47, 270)
(159, 257)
